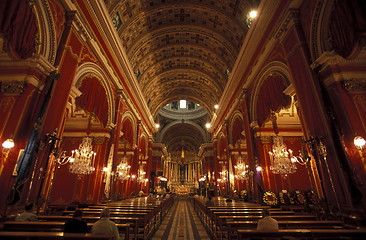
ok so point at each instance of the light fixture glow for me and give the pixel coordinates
(8, 143)
(182, 104)
(216, 106)
(253, 14)
(157, 125)
(358, 141)
(208, 125)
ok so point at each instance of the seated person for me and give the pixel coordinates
(209, 202)
(76, 225)
(27, 215)
(267, 223)
(104, 226)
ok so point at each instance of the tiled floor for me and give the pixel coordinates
(181, 223)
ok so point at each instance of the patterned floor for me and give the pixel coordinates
(181, 223)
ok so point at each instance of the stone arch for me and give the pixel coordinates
(143, 143)
(275, 67)
(89, 69)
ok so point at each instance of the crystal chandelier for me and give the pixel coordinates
(281, 158)
(123, 169)
(223, 174)
(141, 174)
(82, 159)
(241, 169)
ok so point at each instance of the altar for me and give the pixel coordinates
(182, 189)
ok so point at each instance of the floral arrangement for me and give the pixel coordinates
(270, 198)
(311, 197)
(285, 197)
(298, 197)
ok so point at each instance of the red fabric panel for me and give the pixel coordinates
(271, 98)
(18, 25)
(238, 128)
(93, 99)
(127, 130)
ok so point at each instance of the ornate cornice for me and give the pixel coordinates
(292, 17)
(265, 139)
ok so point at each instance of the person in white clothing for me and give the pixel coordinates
(104, 226)
(27, 215)
(267, 223)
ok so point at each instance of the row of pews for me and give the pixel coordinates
(238, 220)
(136, 218)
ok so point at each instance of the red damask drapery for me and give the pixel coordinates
(271, 98)
(93, 99)
(18, 26)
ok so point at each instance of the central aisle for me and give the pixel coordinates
(181, 222)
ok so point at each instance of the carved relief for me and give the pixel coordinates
(355, 85)
(12, 87)
(98, 140)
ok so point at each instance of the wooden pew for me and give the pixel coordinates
(233, 226)
(304, 234)
(54, 227)
(221, 221)
(52, 235)
(138, 223)
(246, 213)
(112, 214)
(146, 221)
(134, 222)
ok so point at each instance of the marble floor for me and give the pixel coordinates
(181, 223)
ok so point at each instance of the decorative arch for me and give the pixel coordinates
(274, 68)
(47, 33)
(143, 143)
(221, 144)
(92, 70)
(171, 124)
(320, 28)
(129, 128)
(236, 127)
(177, 98)
(338, 26)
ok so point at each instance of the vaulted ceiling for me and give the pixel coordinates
(181, 49)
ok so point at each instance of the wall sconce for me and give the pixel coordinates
(360, 144)
(258, 168)
(8, 144)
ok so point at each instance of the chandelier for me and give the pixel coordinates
(281, 158)
(82, 159)
(141, 174)
(123, 169)
(242, 170)
(223, 174)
